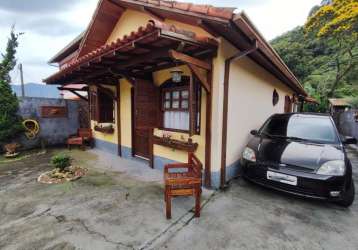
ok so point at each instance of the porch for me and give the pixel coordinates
(134, 100)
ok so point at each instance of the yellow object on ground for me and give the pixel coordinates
(32, 128)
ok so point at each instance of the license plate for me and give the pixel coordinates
(283, 178)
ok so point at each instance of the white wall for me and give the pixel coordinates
(250, 103)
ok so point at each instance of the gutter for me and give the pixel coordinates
(228, 62)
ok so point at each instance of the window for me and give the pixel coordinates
(101, 105)
(176, 101)
(176, 108)
(106, 107)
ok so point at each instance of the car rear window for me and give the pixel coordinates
(317, 129)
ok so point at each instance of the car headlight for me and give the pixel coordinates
(335, 168)
(249, 154)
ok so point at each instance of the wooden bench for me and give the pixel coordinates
(184, 181)
(84, 135)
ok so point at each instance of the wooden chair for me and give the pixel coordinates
(84, 135)
(183, 183)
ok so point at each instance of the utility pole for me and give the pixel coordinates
(22, 80)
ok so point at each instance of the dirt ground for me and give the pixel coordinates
(111, 209)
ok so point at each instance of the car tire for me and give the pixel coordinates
(348, 196)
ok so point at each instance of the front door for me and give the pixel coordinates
(145, 113)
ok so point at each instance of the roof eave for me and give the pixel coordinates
(68, 49)
(253, 34)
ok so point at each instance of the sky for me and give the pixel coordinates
(48, 26)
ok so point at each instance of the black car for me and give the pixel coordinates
(302, 154)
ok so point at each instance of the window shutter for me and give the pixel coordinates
(93, 99)
(192, 108)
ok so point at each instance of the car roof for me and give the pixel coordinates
(306, 114)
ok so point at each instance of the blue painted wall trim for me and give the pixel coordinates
(232, 171)
(160, 162)
(106, 146)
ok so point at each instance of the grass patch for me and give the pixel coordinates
(97, 179)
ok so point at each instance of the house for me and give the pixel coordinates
(337, 105)
(166, 78)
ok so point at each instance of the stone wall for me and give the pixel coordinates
(53, 131)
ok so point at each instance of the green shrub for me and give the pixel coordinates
(61, 161)
(10, 122)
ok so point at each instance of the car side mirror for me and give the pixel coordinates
(349, 140)
(254, 132)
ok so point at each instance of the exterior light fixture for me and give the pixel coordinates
(176, 75)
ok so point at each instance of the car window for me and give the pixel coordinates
(319, 129)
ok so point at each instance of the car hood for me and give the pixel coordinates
(296, 153)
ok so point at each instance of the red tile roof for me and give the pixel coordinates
(126, 41)
(221, 12)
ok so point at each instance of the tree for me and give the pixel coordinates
(10, 122)
(336, 23)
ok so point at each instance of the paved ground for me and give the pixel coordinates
(115, 207)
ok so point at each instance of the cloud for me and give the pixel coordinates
(36, 6)
(50, 27)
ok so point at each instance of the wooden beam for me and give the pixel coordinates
(203, 78)
(190, 60)
(208, 132)
(79, 95)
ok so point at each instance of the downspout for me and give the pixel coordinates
(228, 62)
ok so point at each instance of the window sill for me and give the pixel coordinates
(175, 130)
(187, 146)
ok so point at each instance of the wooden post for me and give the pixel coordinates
(119, 132)
(208, 135)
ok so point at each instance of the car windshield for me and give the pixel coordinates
(316, 129)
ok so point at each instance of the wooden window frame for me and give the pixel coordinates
(102, 106)
(95, 98)
(193, 96)
(171, 99)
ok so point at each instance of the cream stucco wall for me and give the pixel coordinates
(250, 103)
(126, 113)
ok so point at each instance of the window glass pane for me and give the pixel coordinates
(184, 104)
(176, 120)
(167, 95)
(167, 104)
(185, 94)
(175, 104)
(175, 94)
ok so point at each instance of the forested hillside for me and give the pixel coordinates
(327, 64)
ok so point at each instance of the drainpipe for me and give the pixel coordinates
(228, 62)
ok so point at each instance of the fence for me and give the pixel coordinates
(58, 118)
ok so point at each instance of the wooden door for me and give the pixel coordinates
(146, 110)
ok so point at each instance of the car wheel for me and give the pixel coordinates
(348, 196)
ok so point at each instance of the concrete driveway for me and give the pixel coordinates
(120, 206)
